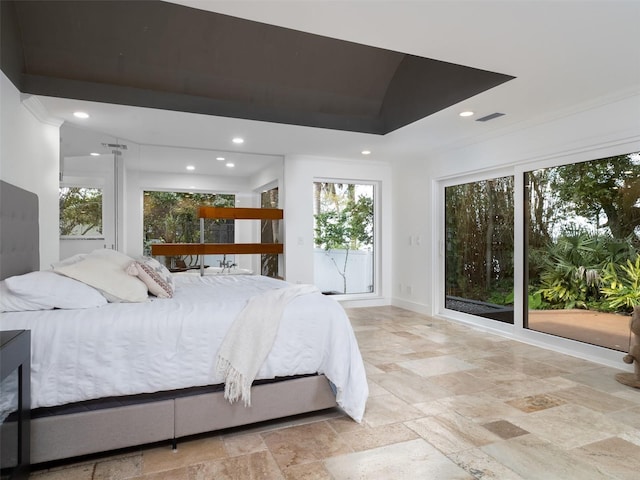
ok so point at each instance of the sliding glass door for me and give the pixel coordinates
(479, 248)
(583, 237)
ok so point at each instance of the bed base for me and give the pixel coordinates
(87, 432)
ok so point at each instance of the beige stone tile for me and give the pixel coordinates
(536, 459)
(569, 426)
(593, 399)
(481, 407)
(118, 468)
(304, 444)
(451, 432)
(504, 429)
(387, 409)
(241, 444)
(410, 387)
(71, 472)
(188, 452)
(375, 389)
(429, 367)
(613, 456)
(372, 437)
(255, 466)
(401, 461)
(181, 473)
(460, 383)
(600, 378)
(483, 466)
(530, 386)
(630, 417)
(535, 403)
(307, 471)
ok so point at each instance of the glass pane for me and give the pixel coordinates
(343, 237)
(583, 234)
(172, 217)
(269, 231)
(479, 248)
(80, 212)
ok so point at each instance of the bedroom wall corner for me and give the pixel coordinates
(29, 158)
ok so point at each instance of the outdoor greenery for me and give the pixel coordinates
(343, 221)
(80, 211)
(582, 231)
(172, 217)
(479, 240)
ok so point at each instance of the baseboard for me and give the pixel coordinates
(424, 309)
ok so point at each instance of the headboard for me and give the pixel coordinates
(19, 231)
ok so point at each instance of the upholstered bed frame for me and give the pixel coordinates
(92, 427)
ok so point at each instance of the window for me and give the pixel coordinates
(479, 245)
(343, 237)
(172, 217)
(583, 237)
(81, 212)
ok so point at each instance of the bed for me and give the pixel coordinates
(121, 374)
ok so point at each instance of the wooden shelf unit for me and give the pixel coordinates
(226, 213)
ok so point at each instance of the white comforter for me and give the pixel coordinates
(165, 344)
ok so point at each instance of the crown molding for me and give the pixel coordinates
(38, 110)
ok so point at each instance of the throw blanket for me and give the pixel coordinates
(250, 338)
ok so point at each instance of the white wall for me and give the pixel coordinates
(29, 158)
(299, 175)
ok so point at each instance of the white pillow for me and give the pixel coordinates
(156, 276)
(9, 302)
(105, 270)
(51, 290)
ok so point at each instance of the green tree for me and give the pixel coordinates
(345, 223)
(609, 186)
(80, 210)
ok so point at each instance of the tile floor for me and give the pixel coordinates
(447, 402)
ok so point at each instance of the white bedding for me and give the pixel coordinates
(165, 344)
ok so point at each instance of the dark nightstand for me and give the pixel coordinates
(15, 392)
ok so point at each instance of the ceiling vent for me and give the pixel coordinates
(489, 117)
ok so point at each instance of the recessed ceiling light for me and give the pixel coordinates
(220, 159)
(466, 113)
(238, 140)
(81, 114)
(190, 167)
(366, 152)
(94, 154)
(230, 165)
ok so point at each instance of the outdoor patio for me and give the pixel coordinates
(608, 330)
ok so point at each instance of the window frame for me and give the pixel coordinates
(377, 234)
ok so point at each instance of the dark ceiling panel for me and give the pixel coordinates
(162, 55)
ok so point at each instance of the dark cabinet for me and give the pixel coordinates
(15, 403)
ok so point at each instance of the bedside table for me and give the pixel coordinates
(15, 403)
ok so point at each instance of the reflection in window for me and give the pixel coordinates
(343, 237)
(80, 212)
(172, 217)
(583, 234)
(479, 220)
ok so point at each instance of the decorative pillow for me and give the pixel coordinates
(105, 270)
(51, 290)
(156, 276)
